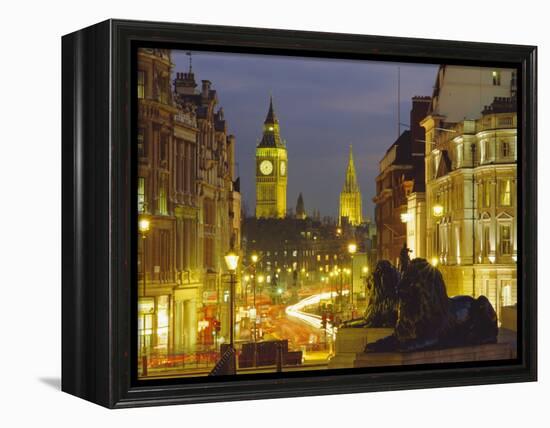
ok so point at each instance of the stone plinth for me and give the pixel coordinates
(350, 346)
(496, 351)
(350, 342)
(509, 317)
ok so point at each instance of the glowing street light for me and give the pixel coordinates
(144, 227)
(352, 249)
(232, 261)
(144, 224)
(405, 217)
(437, 210)
(254, 258)
(364, 276)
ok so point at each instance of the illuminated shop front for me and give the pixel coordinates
(153, 324)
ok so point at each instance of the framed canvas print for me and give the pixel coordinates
(252, 213)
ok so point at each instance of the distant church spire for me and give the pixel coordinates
(300, 209)
(350, 197)
(350, 184)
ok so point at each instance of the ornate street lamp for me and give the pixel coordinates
(254, 259)
(232, 261)
(352, 249)
(364, 277)
(437, 210)
(144, 227)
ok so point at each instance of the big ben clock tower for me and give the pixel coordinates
(271, 170)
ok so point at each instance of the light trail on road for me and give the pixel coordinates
(313, 320)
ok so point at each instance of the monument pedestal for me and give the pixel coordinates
(350, 350)
(350, 342)
(495, 351)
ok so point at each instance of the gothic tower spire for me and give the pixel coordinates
(350, 197)
(300, 208)
(271, 169)
(350, 184)
(271, 118)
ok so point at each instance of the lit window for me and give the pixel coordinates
(505, 193)
(141, 84)
(162, 321)
(505, 149)
(163, 203)
(141, 194)
(482, 151)
(142, 148)
(496, 78)
(459, 156)
(486, 195)
(507, 294)
(164, 147)
(486, 241)
(505, 240)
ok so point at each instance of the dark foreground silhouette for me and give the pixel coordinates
(416, 305)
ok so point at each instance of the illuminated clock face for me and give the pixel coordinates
(282, 167)
(266, 167)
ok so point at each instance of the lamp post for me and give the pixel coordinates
(352, 249)
(232, 261)
(364, 276)
(254, 259)
(144, 227)
(437, 211)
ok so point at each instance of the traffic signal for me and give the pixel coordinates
(324, 320)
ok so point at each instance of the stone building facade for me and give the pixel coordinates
(471, 182)
(401, 175)
(188, 189)
(472, 203)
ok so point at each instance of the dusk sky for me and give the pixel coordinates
(323, 106)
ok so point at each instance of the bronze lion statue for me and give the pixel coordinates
(382, 307)
(429, 319)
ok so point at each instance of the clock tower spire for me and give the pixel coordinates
(271, 169)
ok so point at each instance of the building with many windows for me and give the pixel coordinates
(188, 189)
(401, 175)
(471, 228)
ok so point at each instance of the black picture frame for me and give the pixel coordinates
(98, 229)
